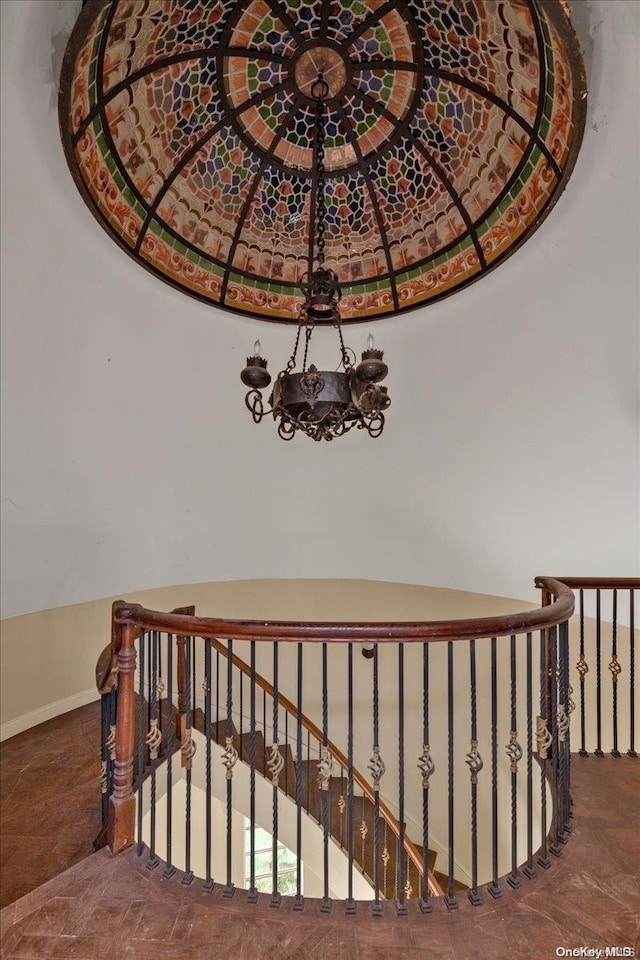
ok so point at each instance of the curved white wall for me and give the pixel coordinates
(512, 444)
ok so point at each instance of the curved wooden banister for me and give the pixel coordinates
(212, 628)
(339, 757)
(595, 583)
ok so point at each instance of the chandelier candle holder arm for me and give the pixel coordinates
(320, 403)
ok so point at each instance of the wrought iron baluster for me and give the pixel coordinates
(631, 752)
(450, 898)
(252, 896)
(105, 710)
(583, 669)
(474, 761)
(514, 752)
(194, 694)
(598, 751)
(141, 715)
(615, 669)
(188, 749)
(229, 759)
(169, 869)
(426, 767)
(324, 776)
(350, 905)
(543, 740)
(494, 887)
(153, 740)
(275, 764)
(401, 906)
(555, 767)
(377, 905)
(564, 739)
(529, 870)
(208, 883)
(241, 676)
(298, 902)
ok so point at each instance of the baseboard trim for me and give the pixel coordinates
(13, 727)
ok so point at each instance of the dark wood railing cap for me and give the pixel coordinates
(327, 632)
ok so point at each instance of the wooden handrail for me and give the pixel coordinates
(212, 628)
(596, 583)
(339, 757)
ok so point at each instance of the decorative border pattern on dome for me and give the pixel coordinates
(452, 128)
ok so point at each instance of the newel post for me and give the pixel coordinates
(122, 804)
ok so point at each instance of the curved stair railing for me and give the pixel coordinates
(464, 728)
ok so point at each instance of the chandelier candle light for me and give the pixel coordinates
(323, 404)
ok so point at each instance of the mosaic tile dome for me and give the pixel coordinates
(452, 127)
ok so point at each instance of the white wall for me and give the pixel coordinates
(130, 462)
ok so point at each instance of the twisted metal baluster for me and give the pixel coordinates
(208, 883)
(401, 906)
(564, 733)
(450, 898)
(377, 904)
(425, 900)
(187, 755)
(105, 705)
(582, 671)
(169, 869)
(275, 895)
(514, 752)
(298, 902)
(529, 870)
(231, 757)
(631, 752)
(350, 906)
(475, 765)
(153, 740)
(543, 738)
(615, 669)
(556, 769)
(252, 896)
(598, 752)
(141, 713)
(324, 788)
(494, 887)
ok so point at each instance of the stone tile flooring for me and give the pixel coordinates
(114, 907)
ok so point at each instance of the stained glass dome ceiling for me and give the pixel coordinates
(452, 127)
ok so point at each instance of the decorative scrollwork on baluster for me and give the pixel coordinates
(408, 889)
(514, 751)
(582, 667)
(615, 668)
(275, 763)
(426, 766)
(325, 767)
(342, 804)
(474, 761)
(570, 702)
(376, 768)
(543, 738)
(364, 830)
(563, 723)
(153, 740)
(103, 776)
(187, 749)
(229, 756)
(386, 856)
(110, 742)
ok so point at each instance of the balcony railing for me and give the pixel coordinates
(463, 727)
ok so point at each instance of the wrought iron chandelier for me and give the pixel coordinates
(321, 403)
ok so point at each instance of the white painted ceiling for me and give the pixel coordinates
(512, 446)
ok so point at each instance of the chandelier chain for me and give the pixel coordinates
(321, 204)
